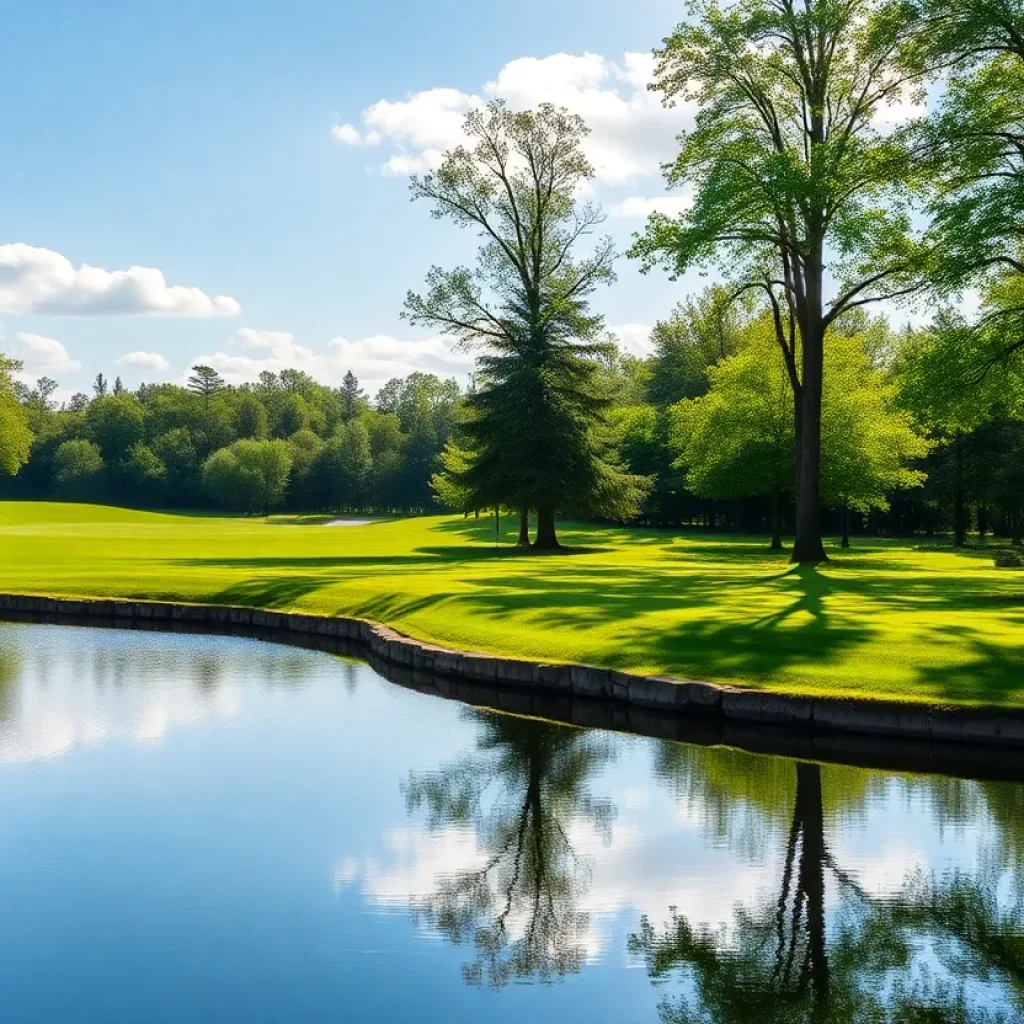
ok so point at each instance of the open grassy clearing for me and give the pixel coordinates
(884, 619)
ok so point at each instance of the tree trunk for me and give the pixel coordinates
(846, 526)
(524, 527)
(808, 548)
(809, 813)
(547, 539)
(777, 520)
(959, 508)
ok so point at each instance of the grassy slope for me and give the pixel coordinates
(884, 619)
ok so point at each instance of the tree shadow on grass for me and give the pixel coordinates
(769, 624)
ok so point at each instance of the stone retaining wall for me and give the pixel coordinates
(657, 693)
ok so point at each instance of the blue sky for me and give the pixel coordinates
(253, 157)
(206, 141)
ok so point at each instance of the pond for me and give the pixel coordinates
(219, 829)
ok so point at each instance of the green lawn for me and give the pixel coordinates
(884, 619)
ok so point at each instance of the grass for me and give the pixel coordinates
(886, 619)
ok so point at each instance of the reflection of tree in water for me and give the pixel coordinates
(975, 933)
(521, 791)
(11, 664)
(781, 963)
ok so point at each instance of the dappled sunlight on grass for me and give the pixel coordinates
(884, 618)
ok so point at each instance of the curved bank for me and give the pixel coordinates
(697, 703)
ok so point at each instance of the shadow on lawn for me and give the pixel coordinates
(754, 626)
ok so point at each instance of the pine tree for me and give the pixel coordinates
(205, 381)
(536, 416)
(351, 397)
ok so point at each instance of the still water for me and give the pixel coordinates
(214, 829)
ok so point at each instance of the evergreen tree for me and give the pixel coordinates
(537, 412)
(351, 397)
(206, 382)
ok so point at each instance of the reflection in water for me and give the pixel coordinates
(798, 957)
(178, 815)
(100, 685)
(523, 792)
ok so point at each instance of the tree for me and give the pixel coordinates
(116, 423)
(79, 402)
(869, 446)
(206, 382)
(699, 333)
(352, 398)
(176, 450)
(78, 470)
(793, 179)
(99, 387)
(305, 488)
(738, 439)
(118, 386)
(248, 476)
(973, 151)
(345, 467)
(15, 434)
(250, 417)
(292, 415)
(145, 475)
(537, 411)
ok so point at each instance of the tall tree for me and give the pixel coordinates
(99, 386)
(793, 179)
(537, 409)
(351, 397)
(206, 382)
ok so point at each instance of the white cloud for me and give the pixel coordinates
(144, 361)
(633, 338)
(373, 360)
(643, 206)
(44, 355)
(36, 280)
(350, 135)
(632, 134)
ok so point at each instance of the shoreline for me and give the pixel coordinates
(604, 696)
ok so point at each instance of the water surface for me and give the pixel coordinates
(213, 829)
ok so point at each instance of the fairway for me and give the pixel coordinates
(893, 618)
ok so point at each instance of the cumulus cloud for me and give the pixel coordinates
(144, 361)
(632, 134)
(642, 206)
(44, 355)
(374, 360)
(36, 280)
(633, 338)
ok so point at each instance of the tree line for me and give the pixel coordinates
(285, 441)
(821, 196)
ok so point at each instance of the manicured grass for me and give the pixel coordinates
(884, 619)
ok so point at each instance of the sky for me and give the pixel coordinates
(228, 182)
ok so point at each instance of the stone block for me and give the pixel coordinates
(882, 717)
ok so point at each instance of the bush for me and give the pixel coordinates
(1007, 560)
(248, 476)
